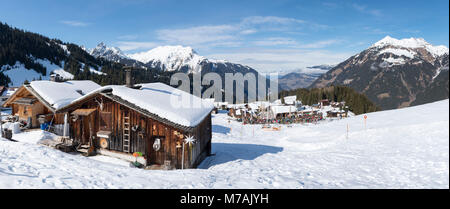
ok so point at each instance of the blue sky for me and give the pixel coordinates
(266, 35)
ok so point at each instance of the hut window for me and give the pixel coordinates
(105, 121)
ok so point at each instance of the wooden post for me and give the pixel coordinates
(182, 157)
(365, 118)
(347, 130)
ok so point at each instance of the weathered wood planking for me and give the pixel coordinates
(143, 138)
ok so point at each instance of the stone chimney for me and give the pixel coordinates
(56, 78)
(128, 78)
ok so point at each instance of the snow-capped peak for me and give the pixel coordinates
(111, 53)
(412, 43)
(164, 53)
(170, 57)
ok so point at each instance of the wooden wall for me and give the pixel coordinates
(149, 129)
(33, 110)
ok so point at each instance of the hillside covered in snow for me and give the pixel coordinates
(404, 148)
(394, 73)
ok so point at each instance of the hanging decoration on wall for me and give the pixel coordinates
(157, 144)
(135, 128)
(178, 134)
(74, 118)
(103, 143)
(188, 140)
(100, 103)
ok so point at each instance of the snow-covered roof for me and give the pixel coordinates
(9, 91)
(282, 109)
(219, 104)
(64, 74)
(165, 101)
(253, 106)
(290, 99)
(276, 102)
(236, 106)
(59, 94)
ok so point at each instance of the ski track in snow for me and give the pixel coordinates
(405, 148)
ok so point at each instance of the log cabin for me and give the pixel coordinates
(154, 119)
(40, 99)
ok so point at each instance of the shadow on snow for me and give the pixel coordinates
(220, 129)
(227, 152)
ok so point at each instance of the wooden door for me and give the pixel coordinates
(151, 154)
(156, 157)
(105, 121)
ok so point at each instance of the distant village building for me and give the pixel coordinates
(279, 112)
(324, 102)
(290, 100)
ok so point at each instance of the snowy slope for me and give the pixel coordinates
(404, 148)
(18, 73)
(392, 73)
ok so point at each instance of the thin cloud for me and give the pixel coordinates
(330, 5)
(270, 20)
(320, 44)
(198, 35)
(268, 53)
(135, 45)
(232, 35)
(275, 41)
(248, 31)
(74, 23)
(291, 43)
(366, 10)
(128, 37)
(281, 59)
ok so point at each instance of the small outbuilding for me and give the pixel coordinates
(39, 100)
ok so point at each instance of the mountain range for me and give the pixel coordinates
(26, 56)
(170, 58)
(394, 73)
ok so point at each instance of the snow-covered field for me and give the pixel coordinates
(405, 148)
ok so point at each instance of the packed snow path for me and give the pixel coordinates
(405, 148)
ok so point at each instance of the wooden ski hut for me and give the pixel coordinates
(154, 119)
(40, 99)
